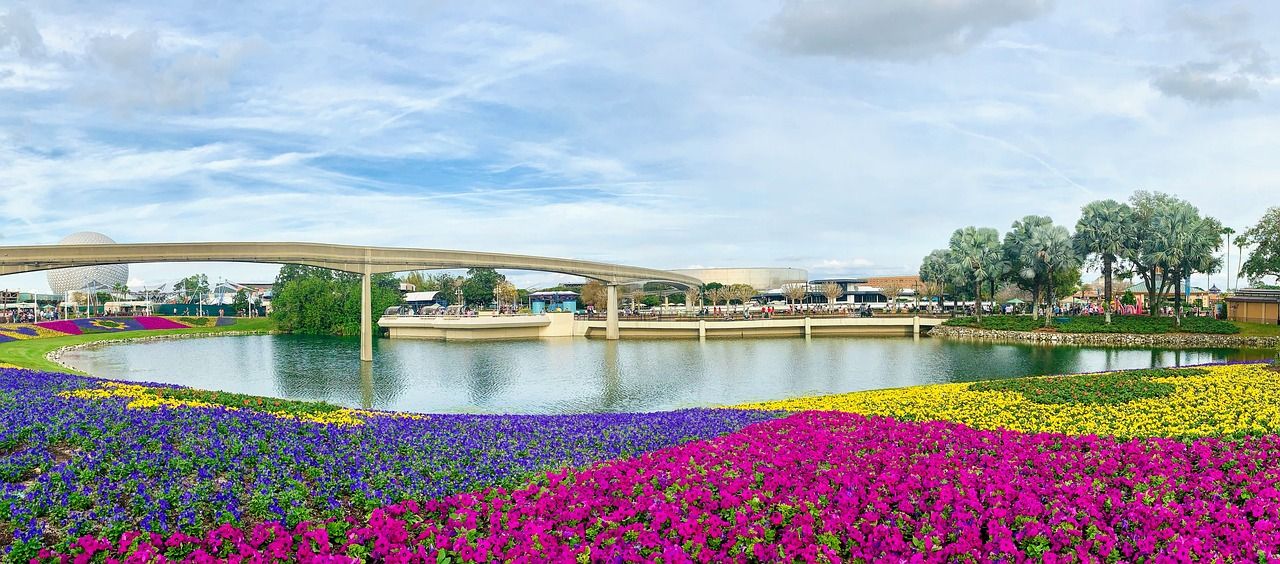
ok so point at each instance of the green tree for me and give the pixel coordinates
(1181, 244)
(479, 284)
(1143, 252)
(1023, 269)
(933, 272)
(192, 287)
(241, 302)
(1264, 260)
(975, 254)
(317, 301)
(1051, 252)
(1104, 230)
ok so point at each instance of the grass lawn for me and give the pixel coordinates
(1257, 329)
(31, 353)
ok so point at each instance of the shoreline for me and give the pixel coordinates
(55, 355)
(1163, 340)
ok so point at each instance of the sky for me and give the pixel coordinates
(843, 137)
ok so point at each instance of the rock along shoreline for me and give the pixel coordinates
(1164, 340)
(55, 356)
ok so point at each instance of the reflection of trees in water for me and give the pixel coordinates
(970, 361)
(489, 372)
(328, 369)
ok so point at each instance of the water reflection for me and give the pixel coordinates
(574, 375)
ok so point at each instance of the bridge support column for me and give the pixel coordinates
(808, 328)
(915, 325)
(366, 317)
(702, 329)
(611, 313)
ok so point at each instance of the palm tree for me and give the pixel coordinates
(975, 253)
(1018, 255)
(1104, 229)
(1183, 243)
(933, 271)
(1228, 232)
(1050, 251)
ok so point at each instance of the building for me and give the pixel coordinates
(553, 301)
(758, 278)
(1254, 306)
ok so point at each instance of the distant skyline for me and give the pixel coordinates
(845, 138)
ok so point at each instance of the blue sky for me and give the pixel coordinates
(843, 137)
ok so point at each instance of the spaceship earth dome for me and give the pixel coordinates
(102, 277)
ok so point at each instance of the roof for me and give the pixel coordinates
(420, 296)
(839, 281)
(1258, 293)
(554, 294)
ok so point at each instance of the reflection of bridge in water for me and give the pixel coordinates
(365, 261)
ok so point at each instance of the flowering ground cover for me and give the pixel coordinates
(824, 486)
(76, 459)
(1147, 465)
(1230, 400)
(64, 327)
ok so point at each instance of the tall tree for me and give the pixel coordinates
(194, 286)
(1181, 244)
(1050, 251)
(1143, 252)
(1023, 270)
(594, 294)
(479, 285)
(975, 252)
(1104, 230)
(1265, 238)
(933, 272)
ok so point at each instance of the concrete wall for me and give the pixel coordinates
(558, 325)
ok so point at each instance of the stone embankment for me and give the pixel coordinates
(1163, 340)
(55, 356)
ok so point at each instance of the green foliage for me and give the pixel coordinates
(197, 321)
(1133, 324)
(1091, 389)
(1264, 237)
(241, 302)
(479, 285)
(193, 286)
(316, 301)
(1128, 298)
(258, 403)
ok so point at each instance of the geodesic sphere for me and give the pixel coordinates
(102, 277)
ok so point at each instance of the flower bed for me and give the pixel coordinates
(75, 459)
(823, 487)
(1007, 470)
(65, 327)
(1231, 400)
